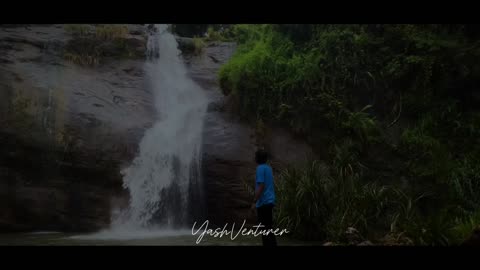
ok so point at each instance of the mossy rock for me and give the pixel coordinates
(91, 50)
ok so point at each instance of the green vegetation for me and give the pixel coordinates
(200, 40)
(391, 109)
(223, 34)
(21, 113)
(78, 29)
(213, 35)
(189, 30)
(83, 59)
(210, 32)
(198, 45)
(111, 32)
(91, 44)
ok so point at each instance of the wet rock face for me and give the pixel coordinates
(68, 130)
(229, 145)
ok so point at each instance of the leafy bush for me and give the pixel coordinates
(213, 35)
(426, 155)
(354, 64)
(344, 88)
(362, 126)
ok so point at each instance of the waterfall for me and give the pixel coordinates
(164, 180)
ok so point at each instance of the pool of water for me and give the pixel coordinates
(159, 238)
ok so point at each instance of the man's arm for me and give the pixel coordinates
(260, 181)
(258, 192)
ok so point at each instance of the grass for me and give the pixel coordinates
(464, 228)
(198, 45)
(78, 29)
(321, 202)
(93, 43)
(82, 59)
(111, 32)
(21, 115)
(101, 31)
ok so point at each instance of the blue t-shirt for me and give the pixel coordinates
(265, 176)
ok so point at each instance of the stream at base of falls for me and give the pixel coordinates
(163, 238)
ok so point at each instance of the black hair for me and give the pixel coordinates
(261, 156)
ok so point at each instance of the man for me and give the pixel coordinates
(264, 200)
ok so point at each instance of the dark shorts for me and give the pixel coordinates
(265, 217)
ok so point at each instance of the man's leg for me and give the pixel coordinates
(261, 213)
(270, 239)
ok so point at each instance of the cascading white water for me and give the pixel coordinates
(159, 179)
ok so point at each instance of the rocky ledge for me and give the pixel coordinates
(67, 128)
